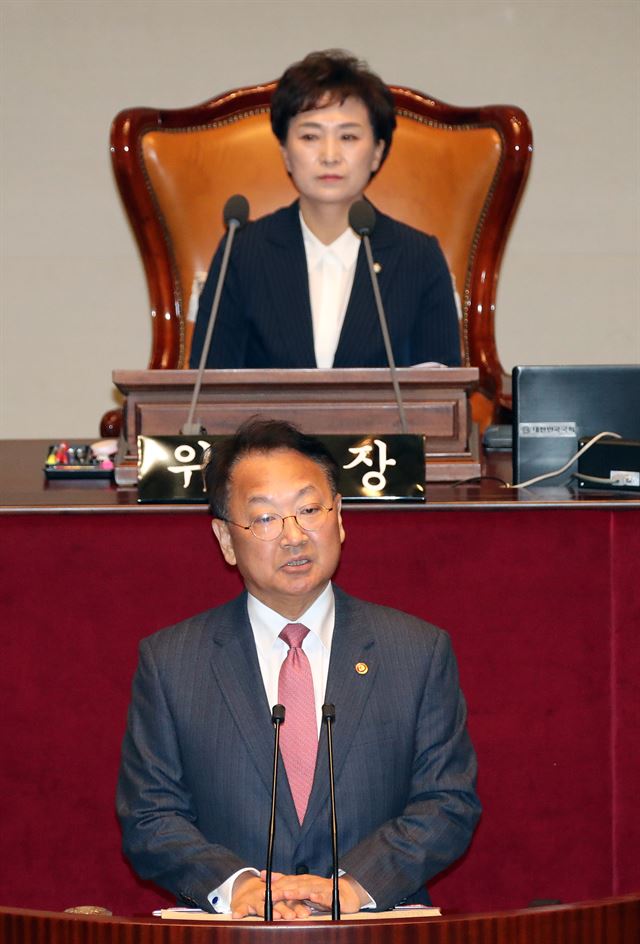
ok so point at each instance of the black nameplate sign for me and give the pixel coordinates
(374, 468)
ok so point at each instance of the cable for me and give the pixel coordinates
(567, 465)
(479, 479)
(592, 478)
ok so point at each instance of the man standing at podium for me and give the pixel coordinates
(195, 780)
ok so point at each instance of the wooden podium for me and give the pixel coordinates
(354, 400)
(610, 921)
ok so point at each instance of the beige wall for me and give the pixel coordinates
(73, 296)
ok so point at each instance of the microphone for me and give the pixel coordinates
(329, 716)
(277, 717)
(362, 220)
(235, 214)
(236, 210)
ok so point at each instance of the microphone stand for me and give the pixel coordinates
(362, 219)
(277, 717)
(329, 716)
(385, 332)
(236, 213)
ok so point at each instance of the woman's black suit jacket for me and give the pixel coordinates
(264, 319)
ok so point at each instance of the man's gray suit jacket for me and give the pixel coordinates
(195, 780)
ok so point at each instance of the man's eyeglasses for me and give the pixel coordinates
(270, 526)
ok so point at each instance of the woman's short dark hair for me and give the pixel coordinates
(338, 75)
(260, 435)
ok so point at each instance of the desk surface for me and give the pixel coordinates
(24, 489)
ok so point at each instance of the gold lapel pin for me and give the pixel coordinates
(362, 668)
(377, 268)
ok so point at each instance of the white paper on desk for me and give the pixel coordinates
(195, 914)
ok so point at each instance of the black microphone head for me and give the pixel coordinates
(277, 714)
(362, 218)
(328, 712)
(236, 208)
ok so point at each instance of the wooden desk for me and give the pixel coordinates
(24, 490)
(540, 593)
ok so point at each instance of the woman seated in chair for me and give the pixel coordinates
(297, 292)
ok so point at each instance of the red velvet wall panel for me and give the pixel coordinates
(544, 612)
(625, 716)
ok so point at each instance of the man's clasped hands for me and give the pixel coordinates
(294, 896)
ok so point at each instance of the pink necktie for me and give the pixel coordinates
(299, 733)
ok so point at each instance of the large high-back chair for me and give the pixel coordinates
(457, 173)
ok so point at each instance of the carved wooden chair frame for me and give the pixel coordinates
(158, 213)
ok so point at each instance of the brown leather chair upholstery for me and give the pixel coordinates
(455, 172)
